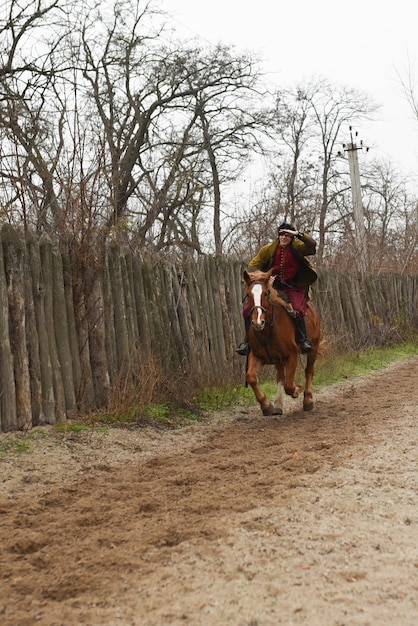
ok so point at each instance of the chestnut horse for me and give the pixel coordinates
(272, 341)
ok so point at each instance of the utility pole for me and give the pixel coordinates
(352, 150)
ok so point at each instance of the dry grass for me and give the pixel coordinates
(145, 381)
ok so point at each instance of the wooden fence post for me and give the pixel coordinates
(8, 413)
(67, 339)
(45, 247)
(14, 260)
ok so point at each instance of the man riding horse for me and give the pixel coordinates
(292, 274)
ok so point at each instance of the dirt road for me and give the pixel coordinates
(311, 518)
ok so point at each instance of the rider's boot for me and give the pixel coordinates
(302, 336)
(244, 347)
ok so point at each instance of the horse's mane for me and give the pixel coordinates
(258, 276)
(276, 299)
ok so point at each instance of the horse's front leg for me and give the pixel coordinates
(252, 379)
(290, 387)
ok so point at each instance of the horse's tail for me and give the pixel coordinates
(322, 348)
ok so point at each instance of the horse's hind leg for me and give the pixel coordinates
(278, 400)
(308, 402)
(314, 330)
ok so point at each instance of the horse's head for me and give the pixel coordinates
(257, 286)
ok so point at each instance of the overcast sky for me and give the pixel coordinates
(364, 44)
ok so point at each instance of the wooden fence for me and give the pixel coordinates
(66, 341)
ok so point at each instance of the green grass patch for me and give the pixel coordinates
(168, 412)
(157, 414)
(128, 416)
(328, 370)
(340, 368)
(16, 445)
(219, 398)
(68, 427)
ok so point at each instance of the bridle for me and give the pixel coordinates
(259, 307)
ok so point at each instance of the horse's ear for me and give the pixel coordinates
(246, 276)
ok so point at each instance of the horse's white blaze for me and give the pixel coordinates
(257, 290)
(278, 400)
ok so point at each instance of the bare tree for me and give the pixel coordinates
(295, 130)
(307, 184)
(333, 109)
(161, 107)
(20, 30)
(408, 83)
(388, 208)
(108, 128)
(32, 119)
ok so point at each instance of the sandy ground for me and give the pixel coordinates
(242, 520)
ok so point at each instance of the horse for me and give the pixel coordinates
(272, 342)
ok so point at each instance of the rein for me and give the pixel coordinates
(256, 307)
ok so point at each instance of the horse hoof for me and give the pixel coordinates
(308, 407)
(272, 410)
(297, 391)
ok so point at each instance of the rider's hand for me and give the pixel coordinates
(290, 233)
